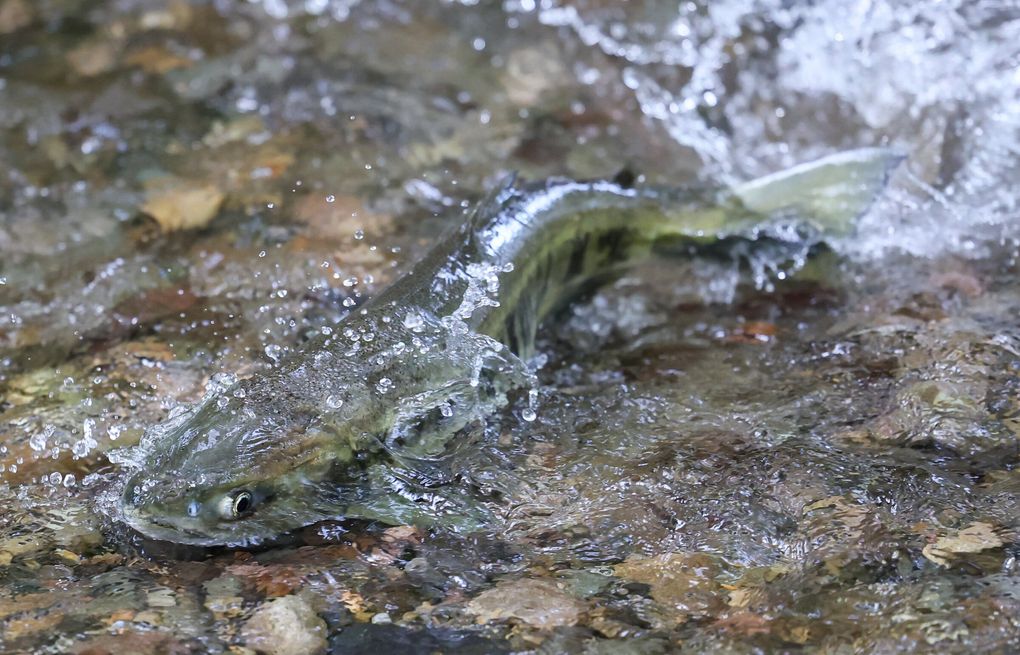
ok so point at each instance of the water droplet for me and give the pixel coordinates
(83, 447)
(331, 198)
(262, 253)
(69, 480)
(274, 352)
(351, 281)
(414, 322)
(349, 302)
(384, 385)
(528, 413)
(38, 440)
(219, 381)
(359, 235)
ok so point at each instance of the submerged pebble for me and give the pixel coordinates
(285, 626)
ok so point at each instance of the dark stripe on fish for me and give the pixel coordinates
(577, 256)
(614, 243)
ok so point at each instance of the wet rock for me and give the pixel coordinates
(371, 639)
(20, 546)
(14, 14)
(975, 538)
(178, 204)
(136, 643)
(157, 60)
(338, 216)
(538, 603)
(29, 625)
(223, 596)
(176, 15)
(273, 581)
(530, 72)
(93, 57)
(684, 581)
(285, 626)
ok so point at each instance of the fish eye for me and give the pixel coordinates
(234, 505)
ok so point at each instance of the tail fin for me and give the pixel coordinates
(830, 192)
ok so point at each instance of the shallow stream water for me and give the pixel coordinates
(723, 459)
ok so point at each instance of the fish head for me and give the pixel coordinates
(239, 470)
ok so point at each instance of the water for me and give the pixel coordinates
(826, 462)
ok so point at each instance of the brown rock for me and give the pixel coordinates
(285, 626)
(684, 581)
(336, 217)
(156, 59)
(178, 204)
(93, 58)
(539, 603)
(14, 14)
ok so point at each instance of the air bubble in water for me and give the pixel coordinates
(334, 402)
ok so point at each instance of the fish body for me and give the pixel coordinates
(356, 424)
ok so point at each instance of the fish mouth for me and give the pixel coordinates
(162, 529)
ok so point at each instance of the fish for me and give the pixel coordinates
(357, 423)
